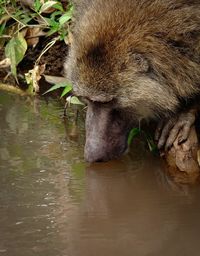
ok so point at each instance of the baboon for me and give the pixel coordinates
(131, 60)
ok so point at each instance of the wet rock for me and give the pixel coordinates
(182, 160)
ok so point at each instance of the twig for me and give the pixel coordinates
(13, 89)
(47, 47)
(14, 17)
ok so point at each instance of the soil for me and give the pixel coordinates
(53, 59)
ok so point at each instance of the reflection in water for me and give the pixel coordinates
(52, 203)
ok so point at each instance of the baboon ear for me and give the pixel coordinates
(141, 62)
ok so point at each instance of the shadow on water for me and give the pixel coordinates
(52, 203)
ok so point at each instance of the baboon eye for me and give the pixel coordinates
(141, 62)
(137, 57)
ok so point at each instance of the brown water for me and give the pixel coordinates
(52, 203)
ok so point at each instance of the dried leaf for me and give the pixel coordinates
(33, 77)
(32, 36)
(55, 79)
(46, 6)
(5, 63)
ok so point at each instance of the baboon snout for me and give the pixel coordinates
(106, 134)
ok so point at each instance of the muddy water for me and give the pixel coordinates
(52, 203)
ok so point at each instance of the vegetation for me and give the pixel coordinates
(147, 137)
(22, 24)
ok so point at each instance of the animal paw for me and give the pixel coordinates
(175, 128)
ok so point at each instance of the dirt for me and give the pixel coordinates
(53, 59)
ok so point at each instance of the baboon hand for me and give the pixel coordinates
(174, 128)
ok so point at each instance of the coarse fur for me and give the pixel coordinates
(140, 56)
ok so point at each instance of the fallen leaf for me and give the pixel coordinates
(47, 7)
(32, 35)
(55, 79)
(33, 77)
(5, 63)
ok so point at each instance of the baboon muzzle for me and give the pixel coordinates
(106, 133)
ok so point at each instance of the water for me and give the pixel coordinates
(52, 203)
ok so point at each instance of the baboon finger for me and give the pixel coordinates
(172, 136)
(158, 130)
(184, 134)
(165, 133)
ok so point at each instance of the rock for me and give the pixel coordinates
(182, 160)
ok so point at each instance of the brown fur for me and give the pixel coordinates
(142, 54)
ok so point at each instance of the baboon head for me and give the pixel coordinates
(124, 67)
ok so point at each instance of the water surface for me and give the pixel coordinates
(52, 203)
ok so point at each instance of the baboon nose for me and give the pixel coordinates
(99, 160)
(92, 157)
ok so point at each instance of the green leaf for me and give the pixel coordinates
(26, 18)
(52, 23)
(52, 31)
(57, 86)
(37, 5)
(58, 6)
(74, 100)
(152, 146)
(47, 5)
(63, 34)
(17, 13)
(15, 51)
(2, 28)
(133, 133)
(55, 14)
(67, 89)
(65, 17)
